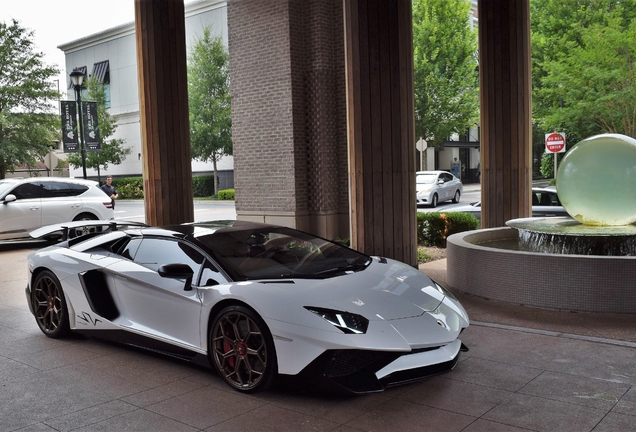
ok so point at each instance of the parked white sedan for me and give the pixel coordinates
(434, 187)
(30, 203)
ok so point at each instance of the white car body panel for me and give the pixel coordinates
(21, 216)
(404, 309)
(445, 190)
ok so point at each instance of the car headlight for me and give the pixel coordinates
(345, 321)
(444, 291)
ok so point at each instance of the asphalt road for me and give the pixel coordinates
(203, 210)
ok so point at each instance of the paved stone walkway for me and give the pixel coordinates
(527, 369)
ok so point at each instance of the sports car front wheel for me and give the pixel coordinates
(242, 349)
(49, 305)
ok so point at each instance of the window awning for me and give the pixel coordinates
(82, 69)
(101, 72)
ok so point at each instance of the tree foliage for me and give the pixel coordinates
(28, 125)
(209, 99)
(445, 67)
(583, 66)
(112, 150)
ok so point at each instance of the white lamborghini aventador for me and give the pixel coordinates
(260, 301)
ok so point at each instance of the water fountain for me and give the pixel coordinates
(586, 262)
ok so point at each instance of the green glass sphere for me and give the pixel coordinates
(596, 180)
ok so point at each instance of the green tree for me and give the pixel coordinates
(112, 150)
(28, 124)
(209, 99)
(445, 68)
(583, 66)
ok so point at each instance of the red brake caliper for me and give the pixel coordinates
(227, 348)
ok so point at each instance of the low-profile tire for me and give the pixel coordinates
(457, 196)
(434, 201)
(241, 349)
(49, 305)
(78, 232)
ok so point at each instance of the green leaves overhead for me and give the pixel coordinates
(28, 123)
(209, 101)
(445, 68)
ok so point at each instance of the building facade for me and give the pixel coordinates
(111, 57)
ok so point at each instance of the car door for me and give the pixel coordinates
(156, 305)
(445, 187)
(547, 204)
(23, 215)
(59, 202)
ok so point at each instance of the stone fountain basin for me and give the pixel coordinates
(586, 283)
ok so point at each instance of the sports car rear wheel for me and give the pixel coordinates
(242, 349)
(49, 305)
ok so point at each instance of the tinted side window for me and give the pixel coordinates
(55, 189)
(130, 249)
(154, 252)
(77, 189)
(26, 191)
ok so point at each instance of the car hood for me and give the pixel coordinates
(385, 290)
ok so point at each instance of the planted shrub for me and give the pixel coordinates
(203, 185)
(433, 228)
(129, 187)
(226, 194)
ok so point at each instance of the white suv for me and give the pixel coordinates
(30, 203)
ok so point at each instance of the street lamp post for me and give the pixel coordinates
(77, 78)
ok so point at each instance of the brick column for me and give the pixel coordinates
(288, 113)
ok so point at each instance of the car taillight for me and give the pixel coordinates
(108, 204)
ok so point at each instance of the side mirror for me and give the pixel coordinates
(9, 198)
(177, 271)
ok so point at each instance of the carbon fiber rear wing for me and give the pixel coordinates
(79, 228)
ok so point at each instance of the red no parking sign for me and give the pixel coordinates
(555, 142)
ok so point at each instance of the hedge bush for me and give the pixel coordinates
(203, 185)
(433, 228)
(226, 194)
(129, 187)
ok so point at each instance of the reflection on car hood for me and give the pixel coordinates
(384, 290)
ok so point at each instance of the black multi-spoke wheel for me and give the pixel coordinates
(242, 350)
(81, 231)
(49, 305)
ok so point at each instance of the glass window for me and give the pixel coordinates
(26, 191)
(276, 253)
(155, 252)
(77, 189)
(130, 249)
(55, 189)
(425, 178)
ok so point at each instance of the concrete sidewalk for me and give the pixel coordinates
(527, 369)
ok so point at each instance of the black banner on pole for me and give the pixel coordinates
(68, 114)
(91, 126)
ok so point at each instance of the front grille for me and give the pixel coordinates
(346, 362)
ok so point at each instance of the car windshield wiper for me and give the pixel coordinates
(325, 273)
(347, 266)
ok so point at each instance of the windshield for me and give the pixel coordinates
(280, 253)
(5, 186)
(425, 178)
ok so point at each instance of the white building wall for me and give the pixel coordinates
(118, 46)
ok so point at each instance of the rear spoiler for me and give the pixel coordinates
(64, 228)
